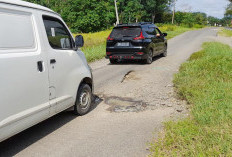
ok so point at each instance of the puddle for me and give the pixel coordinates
(124, 105)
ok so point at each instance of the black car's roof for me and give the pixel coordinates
(141, 24)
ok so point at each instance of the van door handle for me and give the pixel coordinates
(40, 66)
(52, 61)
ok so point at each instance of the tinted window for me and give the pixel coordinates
(125, 32)
(158, 31)
(16, 31)
(150, 31)
(58, 35)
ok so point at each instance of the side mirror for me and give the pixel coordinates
(79, 41)
(165, 34)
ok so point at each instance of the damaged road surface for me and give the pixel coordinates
(134, 101)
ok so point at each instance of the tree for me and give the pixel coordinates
(212, 20)
(229, 10)
(155, 9)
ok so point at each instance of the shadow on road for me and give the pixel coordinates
(17, 143)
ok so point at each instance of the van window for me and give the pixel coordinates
(57, 33)
(16, 31)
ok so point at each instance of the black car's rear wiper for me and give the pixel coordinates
(127, 36)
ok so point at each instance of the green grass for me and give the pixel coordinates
(94, 53)
(173, 30)
(95, 43)
(205, 81)
(225, 32)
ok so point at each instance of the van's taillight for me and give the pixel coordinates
(140, 37)
(109, 38)
(108, 53)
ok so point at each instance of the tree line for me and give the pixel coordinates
(96, 15)
(228, 15)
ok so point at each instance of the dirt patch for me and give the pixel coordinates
(118, 104)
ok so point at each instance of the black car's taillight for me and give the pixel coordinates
(110, 39)
(140, 37)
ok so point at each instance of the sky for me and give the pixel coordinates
(214, 8)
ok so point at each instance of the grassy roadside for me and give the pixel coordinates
(95, 43)
(225, 32)
(205, 81)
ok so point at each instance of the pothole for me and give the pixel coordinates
(130, 75)
(124, 105)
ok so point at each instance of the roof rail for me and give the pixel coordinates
(145, 23)
(128, 24)
(134, 24)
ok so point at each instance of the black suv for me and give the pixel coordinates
(139, 41)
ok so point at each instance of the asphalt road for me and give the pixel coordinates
(103, 132)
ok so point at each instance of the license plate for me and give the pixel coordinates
(124, 44)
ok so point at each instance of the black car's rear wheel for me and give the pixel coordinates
(165, 53)
(149, 57)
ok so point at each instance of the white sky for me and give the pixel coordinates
(214, 8)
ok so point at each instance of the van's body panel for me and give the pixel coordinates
(26, 4)
(29, 94)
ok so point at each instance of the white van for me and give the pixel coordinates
(42, 69)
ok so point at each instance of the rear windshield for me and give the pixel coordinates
(125, 32)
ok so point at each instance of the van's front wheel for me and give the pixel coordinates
(83, 100)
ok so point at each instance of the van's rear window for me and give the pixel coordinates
(121, 32)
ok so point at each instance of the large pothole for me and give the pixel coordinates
(130, 75)
(124, 105)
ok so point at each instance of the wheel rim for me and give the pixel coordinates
(84, 99)
(150, 57)
(166, 51)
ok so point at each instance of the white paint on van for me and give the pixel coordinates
(29, 94)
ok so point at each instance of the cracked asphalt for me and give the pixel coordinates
(103, 132)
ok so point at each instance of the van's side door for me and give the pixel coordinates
(64, 62)
(24, 94)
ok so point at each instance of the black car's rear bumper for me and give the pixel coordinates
(126, 53)
(126, 56)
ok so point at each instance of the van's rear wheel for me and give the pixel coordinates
(113, 61)
(83, 100)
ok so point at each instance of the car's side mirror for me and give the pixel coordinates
(165, 34)
(79, 41)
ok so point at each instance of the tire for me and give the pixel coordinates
(149, 57)
(83, 100)
(165, 53)
(113, 61)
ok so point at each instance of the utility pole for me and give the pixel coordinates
(116, 10)
(174, 10)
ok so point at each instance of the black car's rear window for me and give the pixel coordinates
(121, 32)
